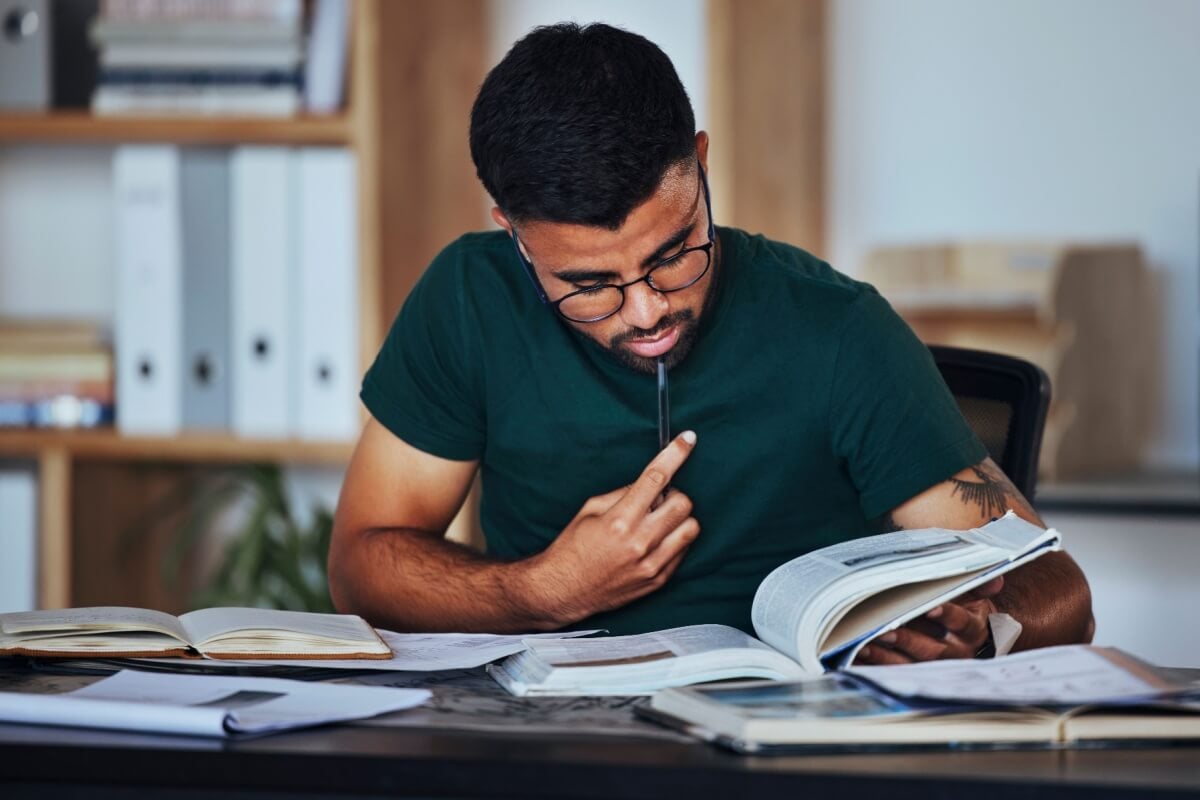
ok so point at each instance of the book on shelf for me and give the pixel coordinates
(244, 10)
(201, 76)
(229, 633)
(54, 374)
(328, 53)
(213, 31)
(1075, 695)
(217, 99)
(226, 58)
(63, 411)
(284, 55)
(812, 614)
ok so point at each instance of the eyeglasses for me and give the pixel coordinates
(673, 274)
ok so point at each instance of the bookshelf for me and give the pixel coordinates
(65, 127)
(406, 123)
(106, 444)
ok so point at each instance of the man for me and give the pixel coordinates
(810, 412)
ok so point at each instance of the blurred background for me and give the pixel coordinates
(210, 211)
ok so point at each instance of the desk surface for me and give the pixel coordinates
(357, 761)
(1147, 492)
(348, 761)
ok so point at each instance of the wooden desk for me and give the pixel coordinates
(388, 762)
(366, 760)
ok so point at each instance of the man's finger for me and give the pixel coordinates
(601, 503)
(874, 654)
(672, 511)
(673, 545)
(656, 476)
(989, 589)
(677, 543)
(913, 644)
(970, 625)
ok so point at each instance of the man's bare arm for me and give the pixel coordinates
(390, 563)
(1048, 596)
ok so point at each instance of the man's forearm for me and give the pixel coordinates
(410, 580)
(1051, 599)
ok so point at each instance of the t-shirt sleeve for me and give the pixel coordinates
(424, 385)
(895, 425)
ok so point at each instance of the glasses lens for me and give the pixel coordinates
(680, 272)
(592, 304)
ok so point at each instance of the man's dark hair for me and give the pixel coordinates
(579, 124)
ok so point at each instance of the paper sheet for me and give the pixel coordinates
(1065, 675)
(205, 705)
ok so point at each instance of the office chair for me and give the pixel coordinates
(1004, 399)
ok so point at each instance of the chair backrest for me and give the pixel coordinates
(1004, 399)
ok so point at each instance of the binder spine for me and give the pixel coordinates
(204, 194)
(328, 374)
(261, 212)
(148, 327)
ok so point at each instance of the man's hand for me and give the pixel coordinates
(957, 629)
(620, 545)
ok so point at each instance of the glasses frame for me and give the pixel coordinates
(706, 248)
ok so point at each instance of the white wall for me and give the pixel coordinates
(679, 27)
(56, 232)
(1142, 574)
(1029, 119)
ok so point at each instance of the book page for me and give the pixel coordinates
(27, 625)
(1063, 675)
(794, 589)
(209, 625)
(803, 599)
(891, 608)
(640, 664)
(642, 647)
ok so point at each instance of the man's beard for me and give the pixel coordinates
(689, 327)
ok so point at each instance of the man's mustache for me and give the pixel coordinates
(685, 315)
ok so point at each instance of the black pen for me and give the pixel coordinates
(664, 413)
(664, 406)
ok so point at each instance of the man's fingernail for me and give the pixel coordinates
(888, 638)
(935, 613)
(688, 436)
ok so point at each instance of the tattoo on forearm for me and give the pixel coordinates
(992, 493)
(889, 525)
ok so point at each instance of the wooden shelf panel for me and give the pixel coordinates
(84, 127)
(108, 445)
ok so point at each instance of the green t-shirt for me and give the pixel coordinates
(817, 411)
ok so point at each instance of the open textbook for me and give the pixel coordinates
(205, 705)
(214, 632)
(1054, 697)
(811, 614)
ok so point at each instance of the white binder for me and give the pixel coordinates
(204, 209)
(148, 326)
(328, 374)
(18, 539)
(262, 201)
(25, 80)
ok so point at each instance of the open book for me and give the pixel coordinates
(811, 614)
(1059, 696)
(214, 632)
